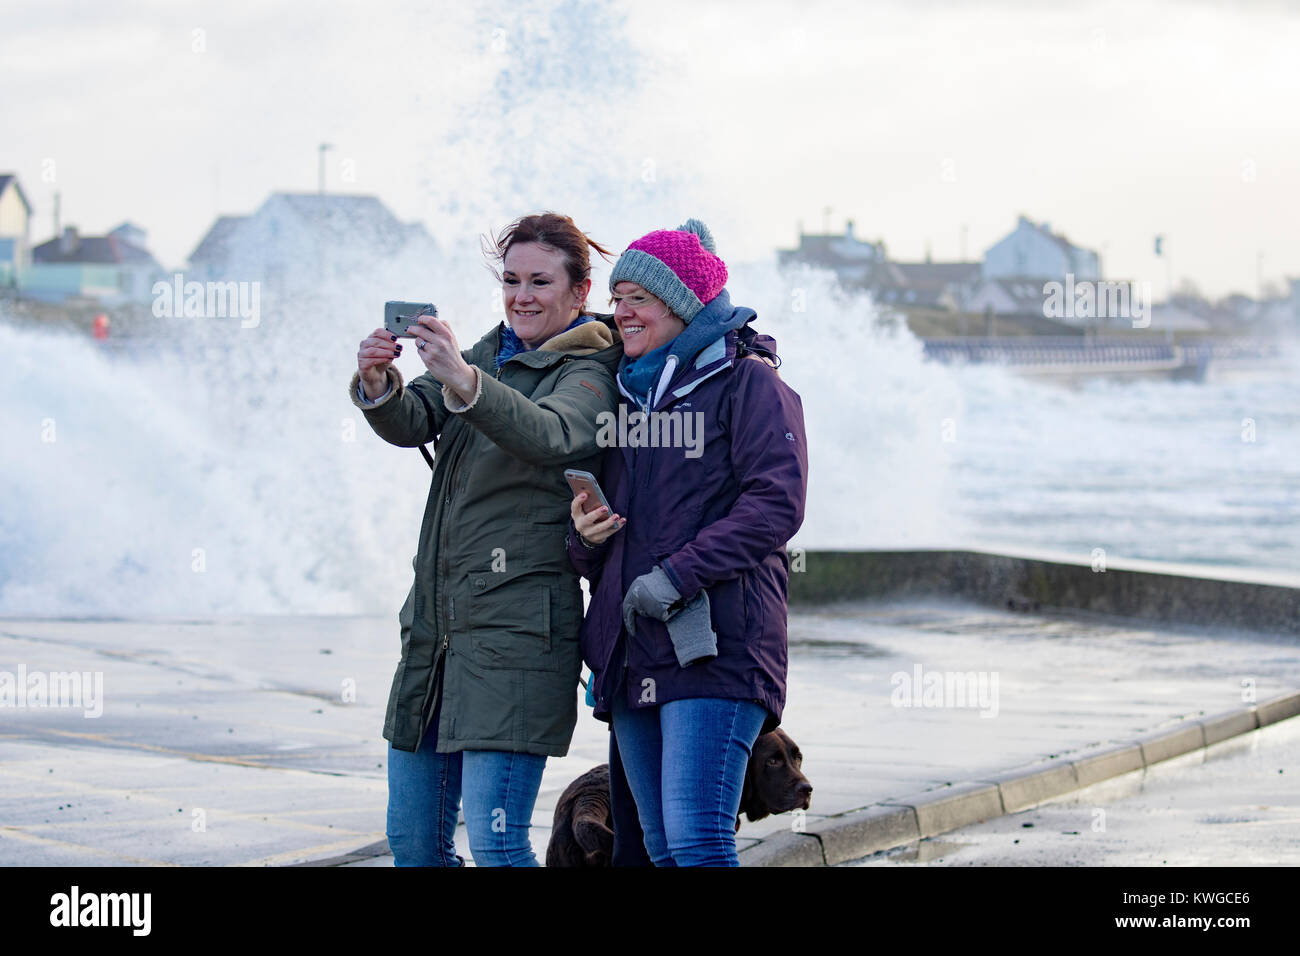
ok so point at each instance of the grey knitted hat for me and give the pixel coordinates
(679, 266)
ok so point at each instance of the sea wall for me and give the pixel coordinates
(1216, 597)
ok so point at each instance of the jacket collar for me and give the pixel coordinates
(705, 347)
(598, 340)
(675, 383)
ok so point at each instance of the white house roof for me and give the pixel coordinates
(338, 220)
(215, 245)
(5, 180)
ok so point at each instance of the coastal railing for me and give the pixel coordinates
(1066, 352)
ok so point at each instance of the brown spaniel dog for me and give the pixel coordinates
(582, 833)
(774, 780)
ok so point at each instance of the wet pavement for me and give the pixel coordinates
(1235, 804)
(256, 740)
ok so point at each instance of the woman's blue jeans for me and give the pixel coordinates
(425, 789)
(685, 763)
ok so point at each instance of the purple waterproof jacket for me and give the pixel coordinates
(715, 514)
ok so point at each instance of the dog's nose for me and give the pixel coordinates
(804, 789)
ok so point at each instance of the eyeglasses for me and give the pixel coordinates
(638, 300)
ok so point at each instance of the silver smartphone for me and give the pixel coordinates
(400, 316)
(581, 481)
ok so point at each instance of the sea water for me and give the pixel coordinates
(212, 469)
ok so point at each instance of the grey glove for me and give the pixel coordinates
(691, 630)
(652, 595)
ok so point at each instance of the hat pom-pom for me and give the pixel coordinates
(701, 230)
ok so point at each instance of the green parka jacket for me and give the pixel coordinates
(491, 621)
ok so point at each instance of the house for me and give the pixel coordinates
(1085, 304)
(861, 264)
(113, 269)
(216, 251)
(1238, 306)
(1293, 302)
(1180, 315)
(1009, 297)
(929, 285)
(296, 241)
(1279, 312)
(1033, 251)
(853, 260)
(15, 230)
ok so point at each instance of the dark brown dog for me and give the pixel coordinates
(582, 833)
(774, 780)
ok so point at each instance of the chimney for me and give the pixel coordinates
(68, 242)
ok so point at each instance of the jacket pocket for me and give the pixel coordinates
(510, 621)
(729, 608)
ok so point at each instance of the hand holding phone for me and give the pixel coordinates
(400, 316)
(590, 509)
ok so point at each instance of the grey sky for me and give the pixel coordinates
(1112, 121)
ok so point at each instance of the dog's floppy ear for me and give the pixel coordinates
(595, 840)
(746, 792)
(751, 797)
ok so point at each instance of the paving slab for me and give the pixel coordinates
(1107, 763)
(865, 831)
(1020, 790)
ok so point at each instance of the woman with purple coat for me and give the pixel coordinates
(706, 475)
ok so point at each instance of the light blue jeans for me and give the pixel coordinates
(425, 789)
(685, 763)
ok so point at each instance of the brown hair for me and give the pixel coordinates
(547, 229)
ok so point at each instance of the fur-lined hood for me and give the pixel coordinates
(586, 339)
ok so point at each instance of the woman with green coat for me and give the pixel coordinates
(486, 688)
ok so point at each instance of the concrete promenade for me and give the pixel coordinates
(255, 741)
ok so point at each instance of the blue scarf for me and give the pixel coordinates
(711, 323)
(512, 345)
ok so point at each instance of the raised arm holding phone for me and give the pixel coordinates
(437, 347)
(485, 687)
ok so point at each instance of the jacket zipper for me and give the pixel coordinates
(635, 470)
(448, 611)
